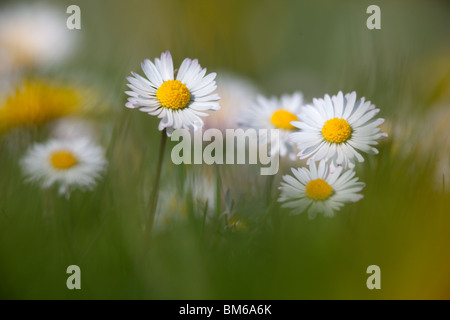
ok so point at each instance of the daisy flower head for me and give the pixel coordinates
(70, 164)
(338, 129)
(179, 98)
(317, 190)
(275, 113)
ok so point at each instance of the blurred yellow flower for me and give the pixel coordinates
(179, 98)
(236, 224)
(36, 103)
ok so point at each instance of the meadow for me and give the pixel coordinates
(219, 231)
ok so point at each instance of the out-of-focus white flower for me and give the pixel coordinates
(72, 128)
(70, 164)
(33, 34)
(236, 94)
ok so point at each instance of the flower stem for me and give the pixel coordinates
(155, 190)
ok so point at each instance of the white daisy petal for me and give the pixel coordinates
(302, 176)
(152, 73)
(191, 70)
(349, 105)
(167, 66)
(369, 115)
(205, 90)
(185, 65)
(361, 109)
(136, 84)
(197, 79)
(338, 102)
(205, 81)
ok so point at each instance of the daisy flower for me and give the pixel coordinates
(70, 164)
(275, 113)
(236, 93)
(319, 191)
(178, 100)
(337, 129)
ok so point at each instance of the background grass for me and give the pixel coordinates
(318, 47)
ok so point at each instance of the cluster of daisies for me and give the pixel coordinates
(70, 159)
(31, 38)
(331, 133)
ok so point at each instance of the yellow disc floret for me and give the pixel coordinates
(173, 94)
(336, 130)
(318, 189)
(63, 160)
(36, 103)
(282, 119)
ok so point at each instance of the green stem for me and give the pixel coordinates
(155, 190)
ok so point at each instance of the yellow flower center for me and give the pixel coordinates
(318, 189)
(173, 94)
(336, 130)
(63, 159)
(282, 119)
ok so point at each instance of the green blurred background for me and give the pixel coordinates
(317, 47)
